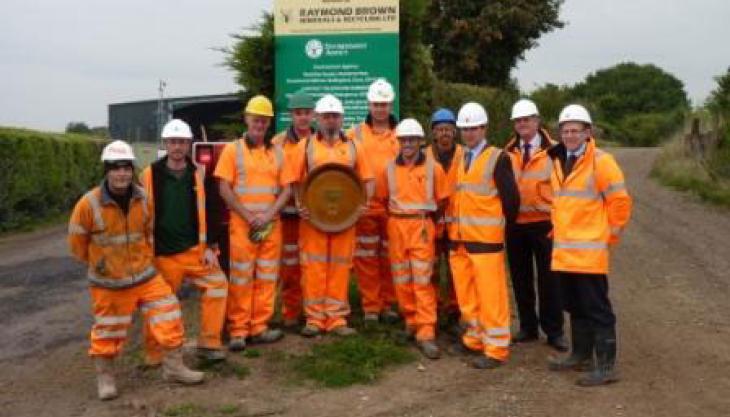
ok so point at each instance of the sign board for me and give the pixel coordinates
(337, 47)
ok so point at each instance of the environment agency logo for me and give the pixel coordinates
(314, 48)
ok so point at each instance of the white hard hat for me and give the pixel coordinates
(575, 113)
(178, 129)
(472, 115)
(329, 104)
(409, 127)
(524, 108)
(381, 91)
(116, 151)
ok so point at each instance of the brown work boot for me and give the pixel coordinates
(105, 385)
(174, 369)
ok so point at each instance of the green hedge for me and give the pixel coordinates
(43, 174)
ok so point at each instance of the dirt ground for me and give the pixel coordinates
(670, 288)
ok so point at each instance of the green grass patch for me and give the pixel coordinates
(184, 410)
(352, 360)
(251, 353)
(227, 368)
(675, 169)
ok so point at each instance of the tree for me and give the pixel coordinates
(719, 101)
(550, 99)
(479, 42)
(78, 127)
(629, 88)
(252, 57)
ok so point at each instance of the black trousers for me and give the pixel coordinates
(585, 297)
(528, 245)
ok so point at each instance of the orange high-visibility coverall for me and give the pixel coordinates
(326, 258)
(290, 274)
(590, 209)
(447, 302)
(122, 277)
(255, 175)
(189, 264)
(371, 250)
(413, 191)
(479, 277)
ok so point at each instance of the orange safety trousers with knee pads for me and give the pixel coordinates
(479, 275)
(122, 278)
(371, 263)
(213, 286)
(326, 258)
(413, 190)
(255, 174)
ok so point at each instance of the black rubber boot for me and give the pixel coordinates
(603, 373)
(581, 355)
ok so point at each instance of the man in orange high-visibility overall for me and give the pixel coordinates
(183, 247)
(591, 208)
(376, 135)
(301, 108)
(326, 258)
(416, 187)
(250, 170)
(485, 198)
(528, 241)
(447, 153)
(110, 230)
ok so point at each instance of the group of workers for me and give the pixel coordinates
(551, 208)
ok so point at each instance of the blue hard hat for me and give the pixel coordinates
(443, 115)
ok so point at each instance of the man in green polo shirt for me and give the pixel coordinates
(184, 248)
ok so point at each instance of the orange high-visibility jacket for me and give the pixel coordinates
(380, 149)
(254, 173)
(199, 179)
(417, 188)
(314, 151)
(288, 142)
(590, 209)
(445, 218)
(475, 205)
(533, 179)
(116, 248)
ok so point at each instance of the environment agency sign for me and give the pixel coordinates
(337, 47)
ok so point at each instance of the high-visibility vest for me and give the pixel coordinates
(405, 199)
(590, 207)
(199, 184)
(380, 149)
(116, 248)
(445, 218)
(289, 148)
(317, 154)
(257, 186)
(533, 180)
(475, 205)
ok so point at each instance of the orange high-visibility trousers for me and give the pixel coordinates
(481, 289)
(411, 248)
(326, 260)
(253, 279)
(113, 310)
(291, 288)
(213, 286)
(372, 266)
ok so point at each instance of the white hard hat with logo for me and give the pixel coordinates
(178, 129)
(472, 115)
(575, 113)
(381, 91)
(409, 127)
(329, 104)
(524, 108)
(118, 151)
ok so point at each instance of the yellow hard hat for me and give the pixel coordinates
(260, 106)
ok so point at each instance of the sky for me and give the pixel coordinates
(66, 61)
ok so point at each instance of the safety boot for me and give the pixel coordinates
(581, 355)
(429, 349)
(210, 355)
(174, 370)
(603, 373)
(268, 336)
(310, 331)
(389, 316)
(105, 385)
(237, 344)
